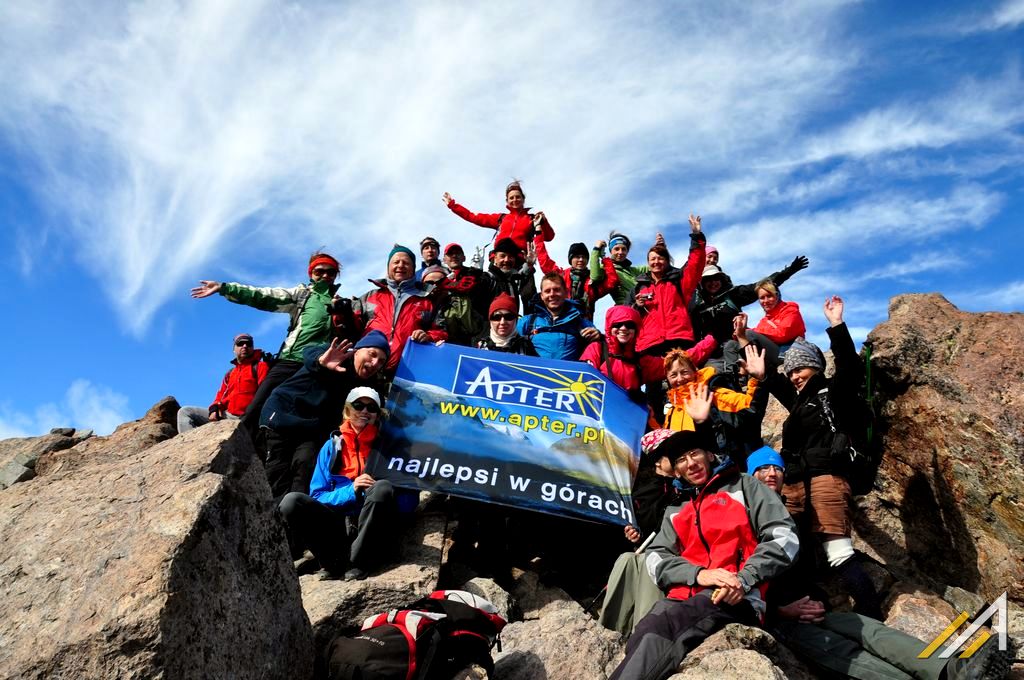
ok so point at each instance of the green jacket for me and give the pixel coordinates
(306, 305)
(622, 293)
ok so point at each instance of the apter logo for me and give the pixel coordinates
(574, 392)
(999, 606)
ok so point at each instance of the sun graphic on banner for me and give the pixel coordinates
(588, 392)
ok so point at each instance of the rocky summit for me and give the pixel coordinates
(149, 555)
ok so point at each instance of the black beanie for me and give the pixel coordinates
(578, 250)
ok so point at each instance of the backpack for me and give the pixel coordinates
(461, 320)
(856, 457)
(432, 639)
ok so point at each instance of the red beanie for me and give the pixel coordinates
(504, 302)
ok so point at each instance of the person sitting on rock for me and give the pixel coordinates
(348, 520)
(717, 301)
(511, 272)
(308, 307)
(782, 322)
(736, 415)
(631, 592)
(582, 288)
(236, 389)
(501, 335)
(713, 556)
(557, 327)
(430, 249)
(849, 644)
(302, 412)
(820, 411)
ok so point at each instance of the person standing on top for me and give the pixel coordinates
(517, 224)
(308, 307)
(236, 390)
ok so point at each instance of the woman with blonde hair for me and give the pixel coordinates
(348, 518)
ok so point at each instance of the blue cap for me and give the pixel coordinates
(765, 455)
(375, 339)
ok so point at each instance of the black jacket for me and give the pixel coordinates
(518, 283)
(806, 436)
(651, 494)
(519, 344)
(310, 403)
(713, 315)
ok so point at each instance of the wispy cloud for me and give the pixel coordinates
(1006, 297)
(192, 129)
(84, 405)
(1007, 15)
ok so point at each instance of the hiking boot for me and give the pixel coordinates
(988, 663)
(356, 574)
(328, 575)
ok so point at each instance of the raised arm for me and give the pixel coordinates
(267, 299)
(488, 220)
(547, 265)
(596, 270)
(694, 267)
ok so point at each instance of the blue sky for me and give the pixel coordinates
(146, 145)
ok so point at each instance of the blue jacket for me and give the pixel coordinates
(337, 490)
(555, 338)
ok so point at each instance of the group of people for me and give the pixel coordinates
(711, 543)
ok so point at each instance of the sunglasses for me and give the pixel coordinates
(365, 406)
(243, 343)
(325, 272)
(503, 317)
(628, 325)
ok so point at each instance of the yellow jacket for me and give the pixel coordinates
(724, 399)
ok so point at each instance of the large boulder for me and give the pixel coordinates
(164, 562)
(557, 639)
(948, 509)
(157, 425)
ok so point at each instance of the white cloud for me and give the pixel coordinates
(170, 133)
(84, 405)
(1008, 15)
(1006, 297)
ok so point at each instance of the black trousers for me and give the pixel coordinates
(278, 373)
(334, 538)
(671, 630)
(290, 460)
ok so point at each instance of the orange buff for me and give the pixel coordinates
(323, 260)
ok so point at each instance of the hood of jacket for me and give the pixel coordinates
(618, 314)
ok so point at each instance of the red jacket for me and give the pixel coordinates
(516, 224)
(239, 385)
(376, 310)
(782, 324)
(735, 523)
(627, 370)
(666, 316)
(586, 292)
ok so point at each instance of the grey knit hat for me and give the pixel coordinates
(803, 354)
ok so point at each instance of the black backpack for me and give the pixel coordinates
(855, 454)
(432, 639)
